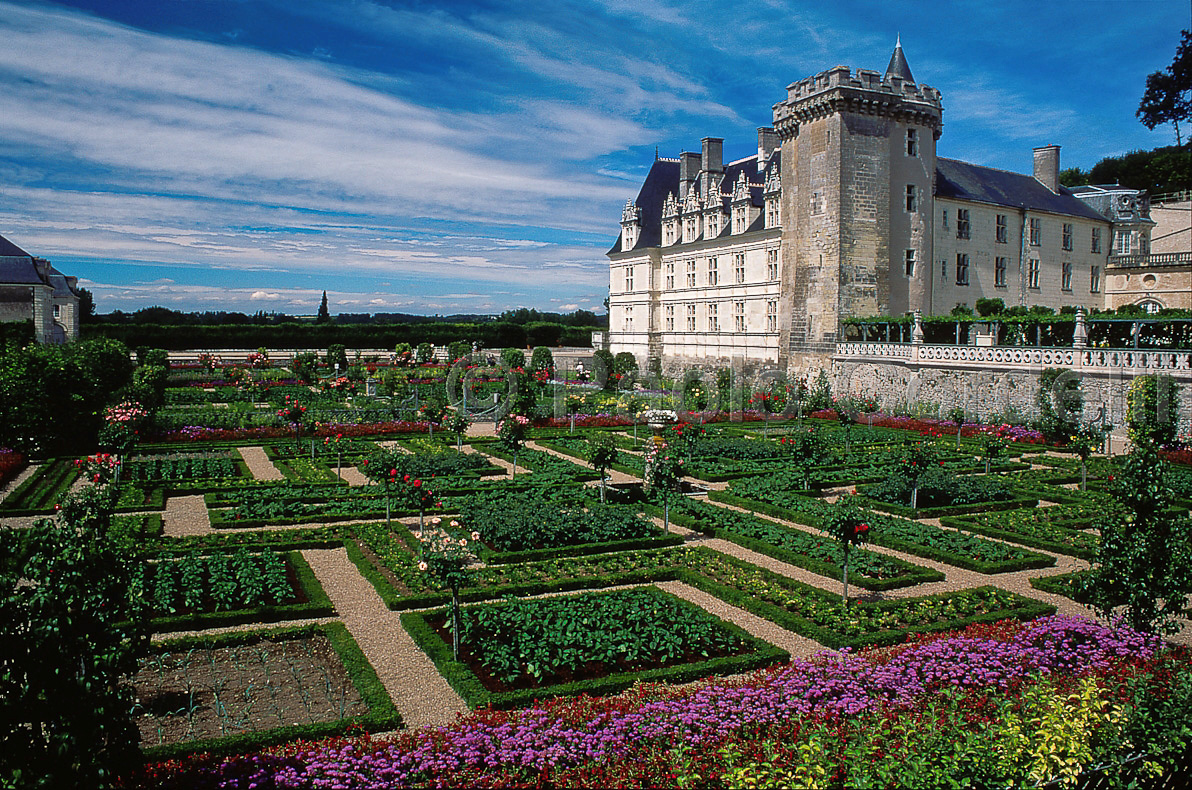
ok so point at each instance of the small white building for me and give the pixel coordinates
(32, 289)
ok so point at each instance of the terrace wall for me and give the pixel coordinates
(988, 382)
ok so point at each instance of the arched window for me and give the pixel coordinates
(1151, 306)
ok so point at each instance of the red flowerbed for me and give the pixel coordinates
(11, 464)
(194, 433)
(923, 424)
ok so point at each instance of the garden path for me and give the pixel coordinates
(614, 476)
(420, 693)
(353, 477)
(259, 464)
(24, 475)
(479, 429)
(501, 462)
(185, 515)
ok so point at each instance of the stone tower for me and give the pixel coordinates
(858, 170)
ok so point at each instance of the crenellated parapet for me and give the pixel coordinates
(866, 92)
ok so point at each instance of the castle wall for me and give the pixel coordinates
(989, 393)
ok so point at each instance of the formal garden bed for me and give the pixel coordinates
(519, 526)
(1063, 529)
(591, 643)
(41, 490)
(198, 591)
(232, 692)
(784, 500)
(819, 554)
(563, 602)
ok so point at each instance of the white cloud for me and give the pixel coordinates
(264, 296)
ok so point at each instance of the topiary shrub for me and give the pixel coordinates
(513, 357)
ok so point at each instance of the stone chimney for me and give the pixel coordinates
(689, 166)
(1047, 167)
(713, 154)
(712, 164)
(767, 143)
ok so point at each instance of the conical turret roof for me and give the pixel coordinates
(898, 66)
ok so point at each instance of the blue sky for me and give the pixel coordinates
(474, 156)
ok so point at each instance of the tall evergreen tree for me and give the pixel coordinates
(324, 315)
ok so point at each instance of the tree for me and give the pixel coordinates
(1152, 409)
(70, 634)
(846, 523)
(1144, 563)
(324, 316)
(1168, 94)
(513, 357)
(86, 306)
(602, 454)
(542, 360)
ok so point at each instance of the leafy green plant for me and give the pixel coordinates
(602, 454)
(535, 640)
(69, 640)
(1144, 566)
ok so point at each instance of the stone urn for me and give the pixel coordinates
(659, 420)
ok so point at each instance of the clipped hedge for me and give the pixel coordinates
(468, 686)
(382, 715)
(1065, 584)
(912, 574)
(579, 549)
(943, 510)
(925, 550)
(317, 605)
(278, 540)
(40, 491)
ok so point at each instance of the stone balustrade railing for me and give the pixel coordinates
(1131, 361)
(1153, 259)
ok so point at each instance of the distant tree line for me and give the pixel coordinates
(177, 337)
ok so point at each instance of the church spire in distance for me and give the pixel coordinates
(898, 66)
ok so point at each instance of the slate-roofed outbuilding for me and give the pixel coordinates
(32, 289)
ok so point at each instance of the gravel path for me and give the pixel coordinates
(500, 462)
(21, 477)
(420, 693)
(353, 477)
(259, 464)
(613, 475)
(185, 515)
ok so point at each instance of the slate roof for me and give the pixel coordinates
(16, 265)
(898, 66)
(964, 181)
(663, 179)
(18, 268)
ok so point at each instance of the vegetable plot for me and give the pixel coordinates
(526, 644)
